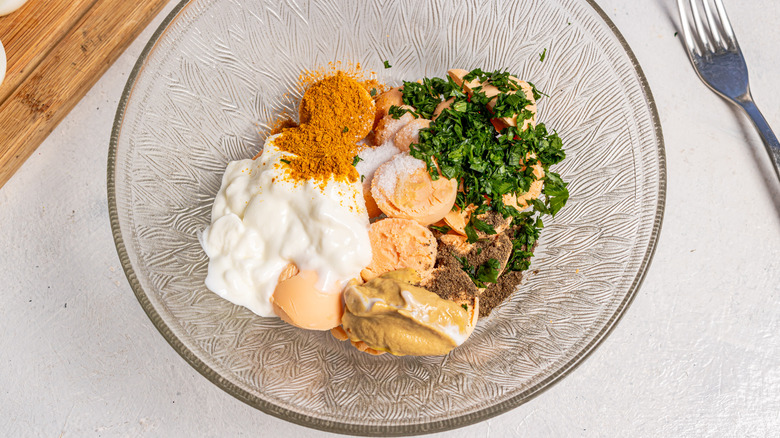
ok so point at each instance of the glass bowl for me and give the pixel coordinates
(217, 73)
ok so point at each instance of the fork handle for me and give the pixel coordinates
(769, 138)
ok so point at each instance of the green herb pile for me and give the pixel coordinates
(464, 144)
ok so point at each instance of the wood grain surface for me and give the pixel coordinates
(58, 49)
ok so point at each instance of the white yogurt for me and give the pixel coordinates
(8, 6)
(261, 221)
(2, 62)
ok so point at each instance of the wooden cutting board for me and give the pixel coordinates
(57, 50)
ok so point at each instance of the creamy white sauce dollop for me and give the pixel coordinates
(261, 221)
(8, 6)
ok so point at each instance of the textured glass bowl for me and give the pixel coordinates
(217, 72)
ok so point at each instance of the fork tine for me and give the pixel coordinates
(700, 29)
(714, 30)
(686, 28)
(726, 24)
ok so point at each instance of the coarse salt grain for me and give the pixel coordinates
(373, 157)
(401, 164)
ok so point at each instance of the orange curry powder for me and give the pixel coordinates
(336, 111)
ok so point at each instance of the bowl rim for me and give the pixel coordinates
(376, 430)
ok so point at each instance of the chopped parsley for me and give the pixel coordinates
(537, 94)
(443, 230)
(387, 64)
(482, 226)
(484, 273)
(471, 235)
(509, 104)
(463, 143)
(543, 55)
(345, 130)
(488, 271)
(356, 159)
(426, 96)
(396, 112)
(526, 232)
(285, 161)
(501, 80)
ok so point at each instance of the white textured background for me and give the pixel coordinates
(698, 352)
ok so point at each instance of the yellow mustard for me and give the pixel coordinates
(390, 314)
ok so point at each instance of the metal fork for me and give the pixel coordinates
(718, 60)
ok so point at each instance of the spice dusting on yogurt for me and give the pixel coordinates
(262, 221)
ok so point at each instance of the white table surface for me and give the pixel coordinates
(697, 353)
